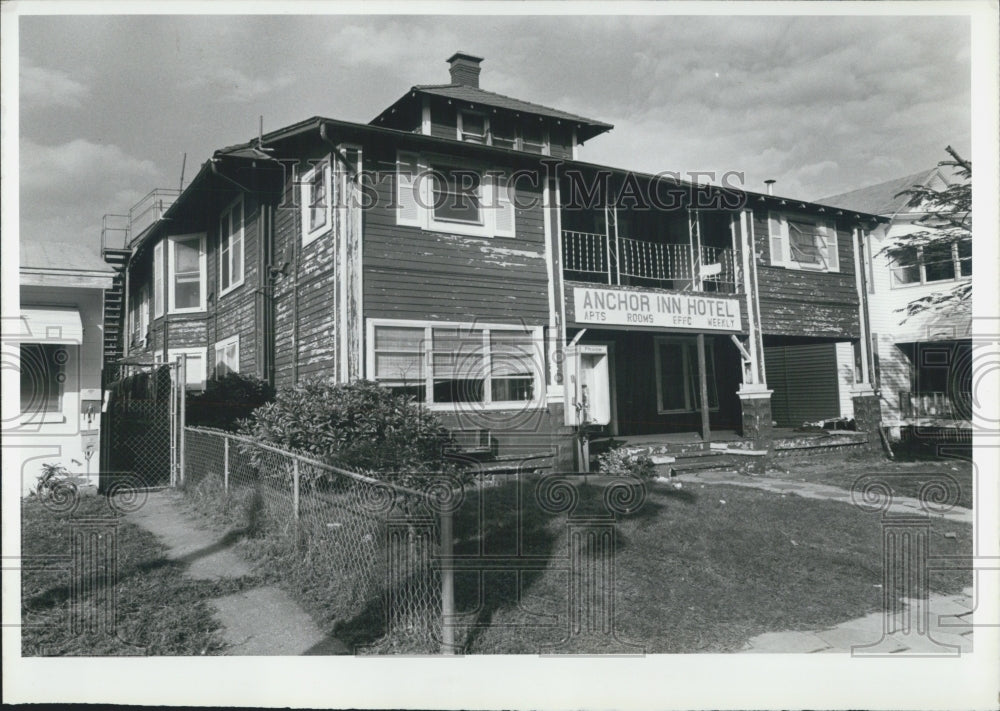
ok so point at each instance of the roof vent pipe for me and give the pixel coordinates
(770, 185)
(464, 69)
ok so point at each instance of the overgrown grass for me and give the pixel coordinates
(693, 574)
(905, 477)
(157, 611)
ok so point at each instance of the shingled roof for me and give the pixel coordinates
(76, 256)
(481, 97)
(880, 199)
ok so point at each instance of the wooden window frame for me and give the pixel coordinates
(493, 197)
(427, 354)
(460, 127)
(921, 265)
(220, 348)
(778, 222)
(171, 276)
(226, 242)
(311, 234)
(689, 397)
(198, 351)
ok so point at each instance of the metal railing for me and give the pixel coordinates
(119, 231)
(376, 545)
(626, 261)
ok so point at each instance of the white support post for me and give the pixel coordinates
(295, 489)
(865, 383)
(618, 268)
(607, 243)
(225, 464)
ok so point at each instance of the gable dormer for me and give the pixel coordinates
(462, 111)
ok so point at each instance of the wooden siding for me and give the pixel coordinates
(796, 302)
(417, 274)
(305, 296)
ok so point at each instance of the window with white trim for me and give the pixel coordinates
(139, 317)
(158, 280)
(231, 247)
(932, 263)
(473, 127)
(443, 364)
(227, 356)
(195, 365)
(186, 273)
(803, 242)
(317, 199)
(678, 388)
(439, 195)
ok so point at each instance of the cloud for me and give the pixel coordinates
(67, 188)
(43, 88)
(229, 84)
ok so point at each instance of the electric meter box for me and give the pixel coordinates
(587, 387)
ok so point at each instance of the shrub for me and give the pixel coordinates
(360, 426)
(227, 400)
(623, 461)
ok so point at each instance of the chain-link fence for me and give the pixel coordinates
(372, 548)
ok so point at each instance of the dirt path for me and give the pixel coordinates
(263, 620)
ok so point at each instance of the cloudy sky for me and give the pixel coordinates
(109, 105)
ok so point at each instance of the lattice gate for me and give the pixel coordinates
(142, 426)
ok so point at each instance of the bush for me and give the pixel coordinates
(227, 400)
(622, 461)
(359, 426)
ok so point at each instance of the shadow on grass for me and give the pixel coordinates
(506, 543)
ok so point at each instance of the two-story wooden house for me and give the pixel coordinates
(455, 248)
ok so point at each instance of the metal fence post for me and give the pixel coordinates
(295, 489)
(447, 585)
(225, 464)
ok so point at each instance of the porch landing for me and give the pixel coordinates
(727, 450)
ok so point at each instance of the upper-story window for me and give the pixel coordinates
(437, 194)
(503, 132)
(317, 198)
(932, 263)
(803, 242)
(231, 247)
(139, 317)
(533, 138)
(186, 273)
(158, 302)
(473, 127)
(227, 356)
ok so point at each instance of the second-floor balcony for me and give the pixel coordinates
(604, 259)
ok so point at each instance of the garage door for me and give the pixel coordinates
(804, 381)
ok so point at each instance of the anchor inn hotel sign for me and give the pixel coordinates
(620, 307)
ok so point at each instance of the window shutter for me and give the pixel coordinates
(503, 207)
(158, 279)
(777, 240)
(407, 185)
(832, 257)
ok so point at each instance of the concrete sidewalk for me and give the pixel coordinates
(947, 631)
(809, 490)
(263, 620)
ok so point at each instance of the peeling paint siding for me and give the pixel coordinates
(413, 273)
(233, 314)
(314, 353)
(795, 302)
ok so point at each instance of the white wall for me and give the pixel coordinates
(61, 438)
(889, 322)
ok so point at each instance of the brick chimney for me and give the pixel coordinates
(464, 69)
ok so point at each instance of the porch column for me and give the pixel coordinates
(706, 430)
(867, 408)
(755, 397)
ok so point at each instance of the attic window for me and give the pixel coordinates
(504, 132)
(472, 127)
(803, 242)
(533, 138)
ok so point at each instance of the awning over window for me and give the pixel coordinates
(51, 326)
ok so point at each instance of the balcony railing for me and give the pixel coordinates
(626, 261)
(934, 404)
(119, 231)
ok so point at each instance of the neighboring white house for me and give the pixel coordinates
(924, 361)
(59, 341)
